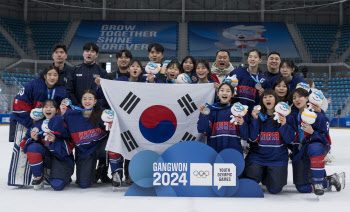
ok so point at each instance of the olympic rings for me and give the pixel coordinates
(201, 174)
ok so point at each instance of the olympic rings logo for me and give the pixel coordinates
(201, 174)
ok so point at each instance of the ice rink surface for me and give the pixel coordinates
(101, 198)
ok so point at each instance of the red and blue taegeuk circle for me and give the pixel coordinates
(157, 123)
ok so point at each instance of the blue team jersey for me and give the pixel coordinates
(247, 94)
(292, 84)
(221, 134)
(269, 143)
(321, 133)
(85, 135)
(125, 78)
(33, 95)
(61, 148)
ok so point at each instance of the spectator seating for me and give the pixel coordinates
(318, 39)
(17, 28)
(46, 34)
(7, 49)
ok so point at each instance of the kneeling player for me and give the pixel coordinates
(310, 147)
(50, 152)
(268, 154)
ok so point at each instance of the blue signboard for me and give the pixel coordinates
(190, 169)
(112, 36)
(206, 38)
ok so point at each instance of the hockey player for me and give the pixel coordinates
(287, 69)
(31, 96)
(172, 71)
(87, 131)
(54, 153)
(135, 73)
(309, 149)
(204, 74)
(82, 78)
(188, 65)
(268, 154)
(251, 83)
(221, 133)
(280, 86)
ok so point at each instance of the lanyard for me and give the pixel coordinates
(48, 92)
(256, 79)
(301, 132)
(215, 106)
(53, 94)
(77, 108)
(262, 117)
(290, 81)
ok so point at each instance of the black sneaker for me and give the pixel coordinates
(318, 189)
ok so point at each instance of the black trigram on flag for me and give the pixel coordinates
(187, 104)
(130, 102)
(129, 141)
(188, 137)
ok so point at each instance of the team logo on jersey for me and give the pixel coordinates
(21, 91)
(157, 124)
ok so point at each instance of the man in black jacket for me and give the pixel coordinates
(59, 55)
(124, 57)
(273, 65)
(83, 76)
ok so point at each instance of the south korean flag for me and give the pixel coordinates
(151, 116)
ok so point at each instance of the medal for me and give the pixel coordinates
(206, 111)
(299, 146)
(66, 101)
(258, 86)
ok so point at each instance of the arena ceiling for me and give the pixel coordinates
(180, 8)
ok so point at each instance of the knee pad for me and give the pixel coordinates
(84, 185)
(58, 184)
(273, 190)
(36, 148)
(315, 149)
(306, 188)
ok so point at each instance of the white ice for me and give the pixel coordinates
(101, 198)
